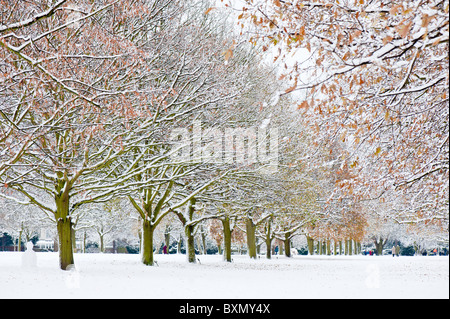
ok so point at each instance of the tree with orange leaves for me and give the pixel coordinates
(375, 75)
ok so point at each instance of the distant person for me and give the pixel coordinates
(165, 250)
(393, 251)
(276, 250)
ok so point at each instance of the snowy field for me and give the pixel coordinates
(123, 276)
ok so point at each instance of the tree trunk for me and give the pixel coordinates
(203, 236)
(268, 239)
(102, 243)
(64, 226)
(74, 242)
(19, 241)
(258, 246)
(379, 248)
(179, 245)
(190, 249)
(84, 242)
(328, 247)
(167, 238)
(310, 242)
(147, 244)
(189, 231)
(357, 248)
(227, 238)
(269, 248)
(287, 244)
(379, 245)
(251, 238)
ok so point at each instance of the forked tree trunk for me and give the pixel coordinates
(379, 245)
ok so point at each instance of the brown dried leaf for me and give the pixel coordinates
(404, 29)
(292, 88)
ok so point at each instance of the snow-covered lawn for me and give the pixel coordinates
(123, 276)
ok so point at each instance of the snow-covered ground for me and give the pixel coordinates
(123, 276)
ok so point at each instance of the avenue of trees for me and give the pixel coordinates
(163, 119)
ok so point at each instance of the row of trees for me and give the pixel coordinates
(98, 226)
(90, 94)
(156, 103)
